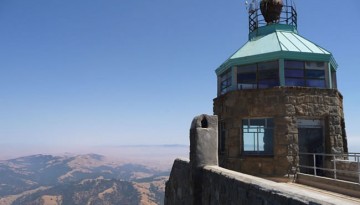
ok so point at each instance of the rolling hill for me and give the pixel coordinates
(80, 179)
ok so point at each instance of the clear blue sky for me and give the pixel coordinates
(115, 72)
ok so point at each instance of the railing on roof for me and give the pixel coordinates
(288, 16)
(331, 165)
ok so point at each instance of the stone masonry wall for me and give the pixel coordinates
(222, 186)
(285, 105)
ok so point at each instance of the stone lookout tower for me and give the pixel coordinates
(277, 97)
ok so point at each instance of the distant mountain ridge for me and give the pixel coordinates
(89, 178)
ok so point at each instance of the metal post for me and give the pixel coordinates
(287, 12)
(334, 166)
(314, 164)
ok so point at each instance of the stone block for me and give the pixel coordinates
(290, 109)
(300, 100)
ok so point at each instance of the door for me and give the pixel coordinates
(311, 140)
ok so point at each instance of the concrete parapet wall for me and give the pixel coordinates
(338, 186)
(178, 189)
(223, 186)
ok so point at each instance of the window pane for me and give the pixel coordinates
(315, 73)
(226, 74)
(268, 83)
(268, 141)
(245, 122)
(269, 65)
(294, 82)
(226, 83)
(259, 142)
(258, 122)
(243, 77)
(270, 122)
(315, 83)
(258, 139)
(249, 142)
(294, 64)
(297, 73)
(247, 68)
(253, 129)
(266, 74)
(315, 65)
(261, 129)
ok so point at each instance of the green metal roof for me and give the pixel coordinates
(274, 42)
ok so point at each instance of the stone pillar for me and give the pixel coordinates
(203, 151)
(204, 141)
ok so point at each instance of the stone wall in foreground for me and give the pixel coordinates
(222, 186)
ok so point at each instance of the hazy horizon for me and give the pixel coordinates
(135, 152)
(129, 152)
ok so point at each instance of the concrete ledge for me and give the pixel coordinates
(223, 186)
(255, 190)
(334, 185)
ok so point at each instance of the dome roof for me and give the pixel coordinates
(274, 42)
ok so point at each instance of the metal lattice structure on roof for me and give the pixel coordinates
(288, 16)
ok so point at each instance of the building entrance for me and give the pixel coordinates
(311, 140)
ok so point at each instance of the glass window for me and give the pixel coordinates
(258, 136)
(269, 83)
(247, 77)
(247, 68)
(315, 74)
(266, 74)
(294, 82)
(316, 83)
(315, 65)
(268, 65)
(261, 75)
(292, 73)
(294, 64)
(225, 81)
(307, 74)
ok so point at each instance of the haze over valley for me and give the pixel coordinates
(127, 175)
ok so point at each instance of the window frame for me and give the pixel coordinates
(266, 75)
(268, 126)
(225, 81)
(309, 71)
